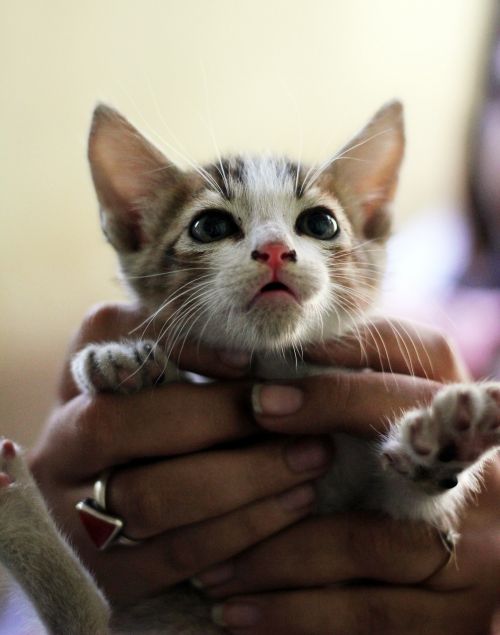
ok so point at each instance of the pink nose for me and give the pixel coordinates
(274, 254)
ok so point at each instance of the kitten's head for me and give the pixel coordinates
(254, 253)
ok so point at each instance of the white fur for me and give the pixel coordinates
(65, 596)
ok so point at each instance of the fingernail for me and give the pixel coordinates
(276, 400)
(298, 498)
(308, 454)
(234, 359)
(236, 615)
(215, 575)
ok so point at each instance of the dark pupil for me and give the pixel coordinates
(321, 224)
(214, 227)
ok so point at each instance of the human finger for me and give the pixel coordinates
(476, 558)
(179, 554)
(109, 429)
(360, 546)
(116, 321)
(359, 403)
(396, 346)
(372, 547)
(357, 611)
(185, 485)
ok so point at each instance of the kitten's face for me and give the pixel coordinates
(248, 253)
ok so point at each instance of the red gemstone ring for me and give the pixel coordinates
(104, 529)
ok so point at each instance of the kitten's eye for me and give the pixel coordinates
(213, 225)
(317, 222)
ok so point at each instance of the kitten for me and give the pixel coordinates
(266, 256)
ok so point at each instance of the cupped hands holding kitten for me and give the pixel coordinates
(219, 502)
(238, 486)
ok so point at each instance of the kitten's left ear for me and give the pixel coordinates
(365, 171)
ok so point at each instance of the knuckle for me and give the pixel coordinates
(93, 426)
(356, 545)
(381, 543)
(377, 616)
(340, 389)
(182, 556)
(442, 348)
(100, 320)
(252, 527)
(452, 369)
(129, 501)
(370, 543)
(262, 468)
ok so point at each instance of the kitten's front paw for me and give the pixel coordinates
(432, 446)
(124, 367)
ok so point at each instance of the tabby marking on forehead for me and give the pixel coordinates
(239, 172)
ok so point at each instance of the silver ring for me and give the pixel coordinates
(104, 529)
(449, 540)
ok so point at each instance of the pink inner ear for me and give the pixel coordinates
(377, 224)
(124, 231)
(137, 237)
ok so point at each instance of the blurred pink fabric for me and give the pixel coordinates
(426, 260)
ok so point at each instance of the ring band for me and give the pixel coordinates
(104, 529)
(449, 541)
(100, 486)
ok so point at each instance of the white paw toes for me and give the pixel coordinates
(431, 446)
(468, 421)
(124, 367)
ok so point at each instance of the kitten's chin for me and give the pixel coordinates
(267, 326)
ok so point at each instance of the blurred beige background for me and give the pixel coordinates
(284, 75)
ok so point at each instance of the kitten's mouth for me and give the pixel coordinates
(274, 286)
(274, 291)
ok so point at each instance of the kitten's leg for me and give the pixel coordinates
(124, 367)
(432, 455)
(64, 594)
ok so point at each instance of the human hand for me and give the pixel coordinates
(410, 364)
(193, 504)
(300, 581)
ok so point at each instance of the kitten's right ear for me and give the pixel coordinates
(365, 171)
(128, 173)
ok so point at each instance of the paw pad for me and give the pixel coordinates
(8, 449)
(464, 411)
(419, 443)
(432, 446)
